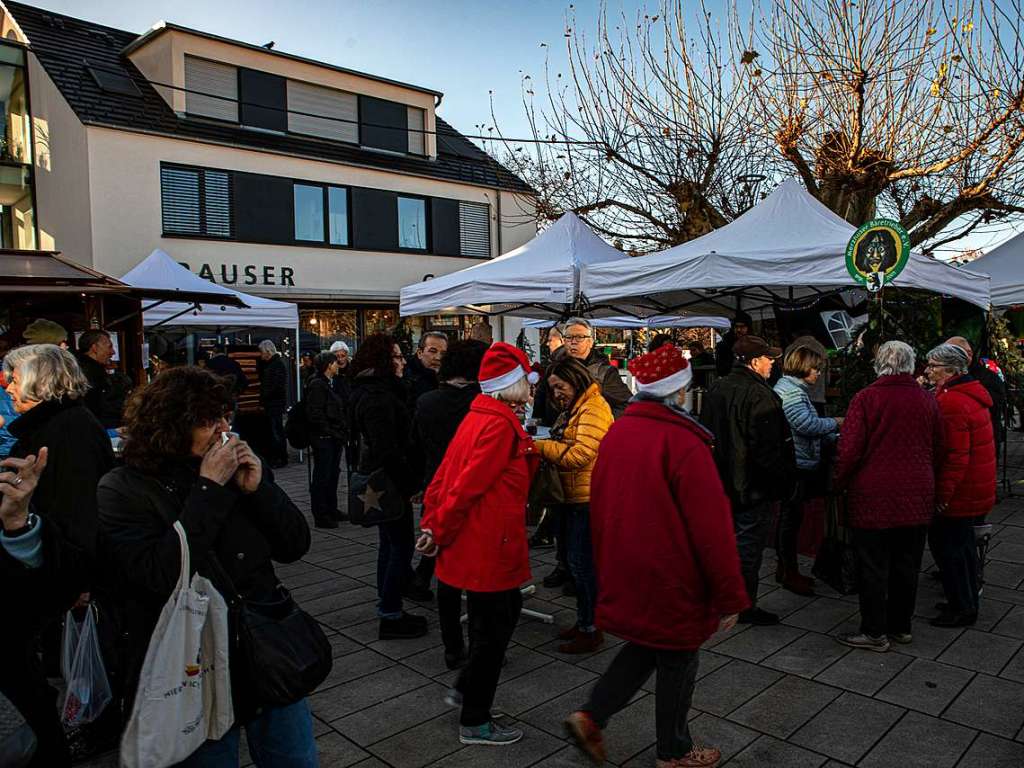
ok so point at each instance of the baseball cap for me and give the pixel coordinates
(747, 348)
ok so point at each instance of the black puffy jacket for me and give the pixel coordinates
(246, 533)
(437, 418)
(753, 444)
(613, 388)
(325, 411)
(381, 425)
(274, 384)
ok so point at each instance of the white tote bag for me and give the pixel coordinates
(184, 693)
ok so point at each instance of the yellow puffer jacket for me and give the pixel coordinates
(575, 453)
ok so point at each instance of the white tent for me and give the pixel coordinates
(1005, 265)
(538, 279)
(654, 321)
(787, 248)
(159, 270)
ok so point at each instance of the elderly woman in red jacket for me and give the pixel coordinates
(966, 481)
(476, 525)
(666, 559)
(889, 450)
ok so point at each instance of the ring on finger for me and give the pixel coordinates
(18, 479)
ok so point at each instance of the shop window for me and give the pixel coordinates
(379, 320)
(412, 223)
(322, 327)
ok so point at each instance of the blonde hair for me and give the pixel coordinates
(45, 372)
(513, 394)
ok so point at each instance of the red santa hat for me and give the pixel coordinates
(503, 365)
(661, 372)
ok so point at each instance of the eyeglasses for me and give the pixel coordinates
(575, 339)
(936, 365)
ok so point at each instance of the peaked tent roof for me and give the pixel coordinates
(159, 270)
(1005, 265)
(538, 279)
(786, 248)
(654, 321)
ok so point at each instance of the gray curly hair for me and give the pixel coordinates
(950, 356)
(45, 372)
(894, 357)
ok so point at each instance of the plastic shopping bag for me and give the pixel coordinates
(88, 690)
(184, 693)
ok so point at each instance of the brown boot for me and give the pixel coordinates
(570, 633)
(588, 737)
(698, 757)
(584, 642)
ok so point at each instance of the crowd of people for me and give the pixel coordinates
(660, 524)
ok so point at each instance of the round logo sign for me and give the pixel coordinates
(877, 253)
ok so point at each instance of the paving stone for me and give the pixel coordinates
(364, 692)
(865, 672)
(927, 686)
(727, 688)
(534, 748)
(569, 757)
(550, 715)
(981, 651)
(345, 619)
(783, 602)
(305, 578)
(759, 643)
(536, 687)
(631, 731)
(354, 665)
(383, 720)
(993, 752)
(422, 745)
(335, 602)
(785, 706)
(1015, 669)
(807, 656)
(1012, 624)
(990, 704)
(342, 646)
(920, 741)
(1007, 552)
(338, 752)
(333, 584)
(1004, 574)
(821, 615)
(929, 642)
(721, 637)
(995, 592)
(770, 751)
(848, 727)
(991, 613)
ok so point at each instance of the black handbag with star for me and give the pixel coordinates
(374, 499)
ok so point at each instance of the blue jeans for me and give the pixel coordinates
(281, 737)
(394, 564)
(580, 554)
(323, 489)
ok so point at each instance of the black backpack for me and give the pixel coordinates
(296, 426)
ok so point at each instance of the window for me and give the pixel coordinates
(474, 229)
(337, 112)
(309, 213)
(264, 100)
(383, 124)
(337, 214)
(417, 138)
(195, 201)
(211, 89)
(412, 223)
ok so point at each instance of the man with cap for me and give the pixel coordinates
(663, 594)
(741, 326)
(754, 454)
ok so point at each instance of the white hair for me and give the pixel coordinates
(268, 346)
(340, 346)
(45, 372)
(894, 357)
(514, 394)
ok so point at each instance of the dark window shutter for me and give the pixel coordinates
(475, 229)
(374, 219)
(179, 198)
(444, 221)
(264, 100)
(263, 208)
(383, 124)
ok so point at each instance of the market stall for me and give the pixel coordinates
(1005, 266)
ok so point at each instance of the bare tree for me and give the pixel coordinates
(906, 108)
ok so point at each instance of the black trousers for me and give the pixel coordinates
(953, 546)
(449, 613)
(323, 488)
(677, 672)
(809, 485)
(25, 686)
(492, 620)
(751, 525)
(277, 451)
(890, 561)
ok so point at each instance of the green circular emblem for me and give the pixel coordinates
(877, 253)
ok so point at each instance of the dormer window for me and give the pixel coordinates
(211, 89)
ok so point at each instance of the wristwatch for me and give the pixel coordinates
(30, 523)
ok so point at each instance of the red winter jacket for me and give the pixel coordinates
(967, 477)
(476, 504)
(890, 447)
(667, 565)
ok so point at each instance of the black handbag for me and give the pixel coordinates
(836, 563)
(374, 499)
(279, 653)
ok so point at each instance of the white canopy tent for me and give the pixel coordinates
(1005, 265)
(789, 248)
(654, 321)
(539, 279)
(159, 270)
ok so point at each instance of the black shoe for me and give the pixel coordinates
(947, 619)
(418, 593)
(325, 523)
(537, 541)
(556, 578)
(758, 617)
(401, 629)
(415, 618)
(456, 660)
(569, 588)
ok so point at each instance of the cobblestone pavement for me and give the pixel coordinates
(776, 696)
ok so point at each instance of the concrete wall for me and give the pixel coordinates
(126, 216)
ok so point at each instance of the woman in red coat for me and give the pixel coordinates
(667, 563)
(476, 525)
(889, 449)
(966, 482)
